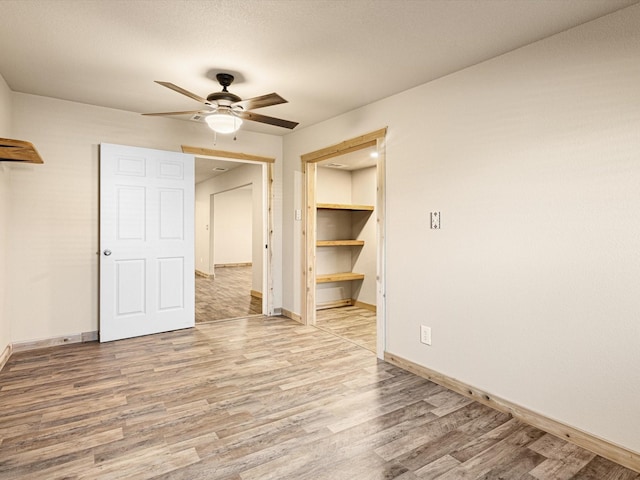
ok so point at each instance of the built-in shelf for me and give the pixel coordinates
(340, 206)
(18, 151)
(343, 276)
(339, 243)
(339, 277)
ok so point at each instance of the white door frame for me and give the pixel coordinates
(309, 169)
(267, 202)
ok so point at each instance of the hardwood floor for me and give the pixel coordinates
(258, 398)
(351, 323)
(227, 295)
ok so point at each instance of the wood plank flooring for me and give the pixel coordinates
(227, 295)
(351, 323)
(258, 398)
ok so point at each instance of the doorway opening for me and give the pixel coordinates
(344, 240)
(233, 287)
(233, 229)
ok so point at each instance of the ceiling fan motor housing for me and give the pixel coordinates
(225, 80)
(228, 96)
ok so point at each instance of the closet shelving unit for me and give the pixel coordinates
(341, 276)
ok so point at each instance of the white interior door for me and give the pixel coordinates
(146, 241)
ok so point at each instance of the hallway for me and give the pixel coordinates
(227, 295)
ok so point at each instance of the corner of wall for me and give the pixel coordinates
(5, 131)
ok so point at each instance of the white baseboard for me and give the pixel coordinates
(597, 445)
(200, 273)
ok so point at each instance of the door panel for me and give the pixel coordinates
(146, 241)
(130, 284)
(171, 214)
(130, 213)
(170, 283)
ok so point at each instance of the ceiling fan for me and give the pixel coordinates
(225, 111)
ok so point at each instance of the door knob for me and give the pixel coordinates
(107, 252)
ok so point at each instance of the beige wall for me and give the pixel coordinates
(333, 185)
(232, 226)
(531, 285)
(5, 132)
(53, 235)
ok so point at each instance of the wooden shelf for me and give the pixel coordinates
(340, 206)
(342, 276)
(339, 277)
(339, 243)
(18, 151)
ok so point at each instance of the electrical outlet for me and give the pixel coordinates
(425, 334)
(298, 215)
(435, 220)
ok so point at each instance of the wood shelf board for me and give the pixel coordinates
(339, 277)
(339, 243)
(340, 206)
(18, 151)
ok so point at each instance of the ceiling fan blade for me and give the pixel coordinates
(188, 112)
(278, 122)
(259, 102)
(181, 90)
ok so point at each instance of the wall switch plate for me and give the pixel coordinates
(425, 334)
(298, 214)
(435, 220)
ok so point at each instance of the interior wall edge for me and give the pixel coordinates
(6, 127)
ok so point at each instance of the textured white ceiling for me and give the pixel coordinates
(205, 168)
(325, 56)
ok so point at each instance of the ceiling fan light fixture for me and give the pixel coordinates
(224, 108)
(223, 122)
